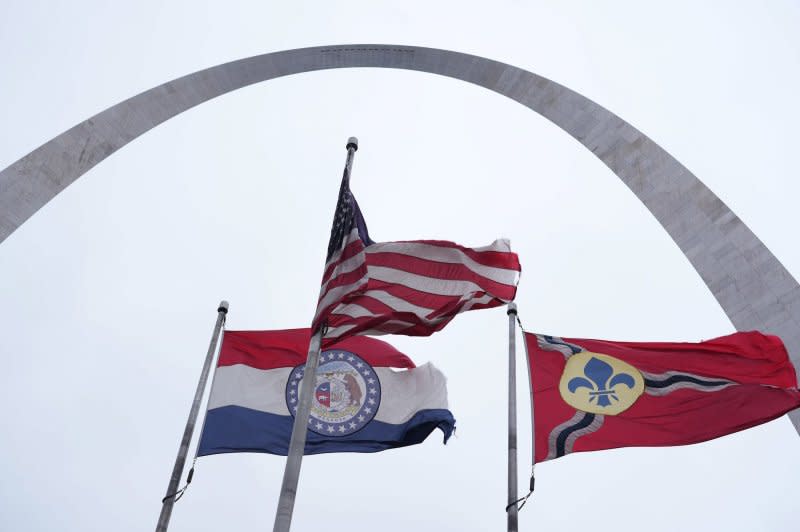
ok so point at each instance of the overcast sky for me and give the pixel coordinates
(109, 292)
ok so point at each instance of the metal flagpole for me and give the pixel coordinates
(177, 471)
(291, 474)
(511, 509)
(297, 445)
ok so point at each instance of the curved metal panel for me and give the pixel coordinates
(751, 285)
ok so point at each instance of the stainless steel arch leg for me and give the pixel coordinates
(751, 285)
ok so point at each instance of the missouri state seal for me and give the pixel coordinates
(347, 393)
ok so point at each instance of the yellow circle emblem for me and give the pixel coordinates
(600, 384)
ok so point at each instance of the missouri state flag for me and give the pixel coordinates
(360, 403)
(590, 395)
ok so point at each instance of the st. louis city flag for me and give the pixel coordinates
(413, 288)
(594, 394)
(360, 403)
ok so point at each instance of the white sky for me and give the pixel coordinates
(109, 292)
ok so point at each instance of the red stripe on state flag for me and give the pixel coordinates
(289, 348)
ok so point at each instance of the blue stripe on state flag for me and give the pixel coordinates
(232, 429)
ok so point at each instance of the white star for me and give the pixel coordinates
(350, 359)
(292, 392)
(361, 418)
(372, 391)
(293, 400)
(352, 425)
(366, 373)
(341, 355)
(294, 408)
(371, 401)
(359, 365)
(319, 426)
(331, 356)
(341, 428)
(330, 429)
(371, 381)
(368, 410)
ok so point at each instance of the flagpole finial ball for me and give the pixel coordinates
(512, 308)
(223, 307)
(352, 142)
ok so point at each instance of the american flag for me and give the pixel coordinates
(413, 287)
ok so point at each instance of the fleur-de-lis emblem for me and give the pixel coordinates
(600, 381)
(600, 384)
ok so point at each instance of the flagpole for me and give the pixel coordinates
(291, 474)
(294, 459)
(180, 461)
(511, 509)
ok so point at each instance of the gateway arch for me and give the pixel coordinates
(750, 284)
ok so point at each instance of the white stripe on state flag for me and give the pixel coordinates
(403, 393)
(258, 389)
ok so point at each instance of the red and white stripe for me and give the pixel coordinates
(345, 273)
(413, 288)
